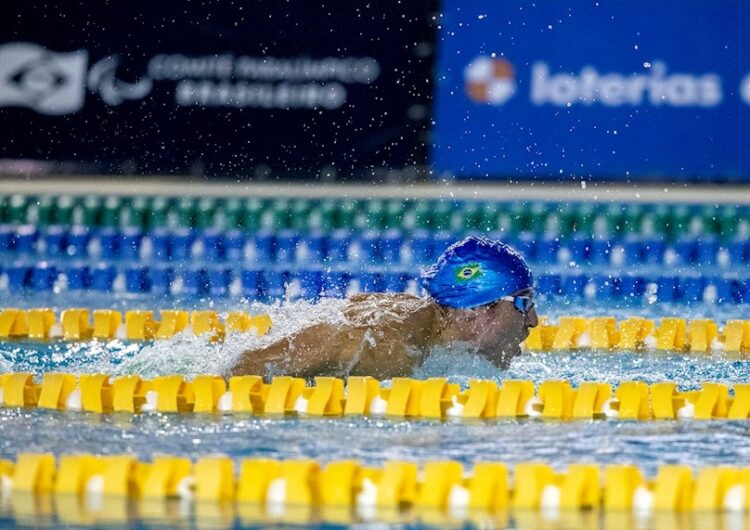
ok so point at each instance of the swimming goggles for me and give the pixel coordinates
(522, 302)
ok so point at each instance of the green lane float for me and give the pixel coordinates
(254, 213)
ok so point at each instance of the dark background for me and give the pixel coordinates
(382, 125)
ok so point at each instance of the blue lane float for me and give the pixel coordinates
(316, 280)
(343, 246)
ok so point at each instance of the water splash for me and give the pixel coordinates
(189, 355)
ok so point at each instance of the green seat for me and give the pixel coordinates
(111, 211)
(62, 210)
(158, 214)
(17, 205)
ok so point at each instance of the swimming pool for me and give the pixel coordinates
(373, 441)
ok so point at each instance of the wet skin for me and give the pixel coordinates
(389, 335)
(496, 329)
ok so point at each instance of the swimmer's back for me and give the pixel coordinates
(397, 328)
(383, 335)
(388, 309)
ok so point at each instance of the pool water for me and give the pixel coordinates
(372, 441)
(647, 444)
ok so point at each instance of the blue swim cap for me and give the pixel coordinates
(475, 272)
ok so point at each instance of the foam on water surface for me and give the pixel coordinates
(647, 444)
(188, 355)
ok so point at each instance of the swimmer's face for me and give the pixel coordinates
(499, 329)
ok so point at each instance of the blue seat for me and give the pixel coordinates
(194, 282)
(103, 277)
(691, 288)
(109, 243)
(25, 239)
(335, 283)
(604, 284)
(286, 246)
(632, 286)
(7, 238)
(130, 244)
(137, 279)
(422, 247)
(274, 283)
(723, 287)
(219, 280)
(265, 247)
(667, 288)
(181, 244)
(78, 241)
(707, 250)
(43, 276)
(687, 249)
(338, 246)
(19, 277)
(78, 276)
(393, 281)
(653, 251)
(311, 283)
(549, 284)
(214, 245)
(633, 248)
(738, 250)
(580, 249)
(371, 282)
(252, 283)
(160, 244)
(599, 251)
(234, 241)
(573, 285)
(525, 243)
(391, 245)
(440, 243)
(371, 247)
(55, 240)
(161, 280)
(546, 250)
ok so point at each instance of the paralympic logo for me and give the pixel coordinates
(54, 83)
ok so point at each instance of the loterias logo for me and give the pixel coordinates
(492, 81)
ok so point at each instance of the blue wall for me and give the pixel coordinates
(633, 90)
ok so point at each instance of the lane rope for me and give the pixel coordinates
(404, 398)
(78, 324)
(567, 333)
(435, 487)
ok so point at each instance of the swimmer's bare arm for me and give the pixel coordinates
(309, 352)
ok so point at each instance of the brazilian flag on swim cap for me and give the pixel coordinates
(475, 272)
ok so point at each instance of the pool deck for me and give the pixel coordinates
(577, 191)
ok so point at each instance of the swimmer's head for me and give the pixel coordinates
(487, 290)
(475, 272)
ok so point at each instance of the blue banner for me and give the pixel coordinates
(635, 90)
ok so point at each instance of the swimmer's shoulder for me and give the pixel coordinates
(366, 307)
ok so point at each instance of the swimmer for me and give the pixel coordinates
(480, 297)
